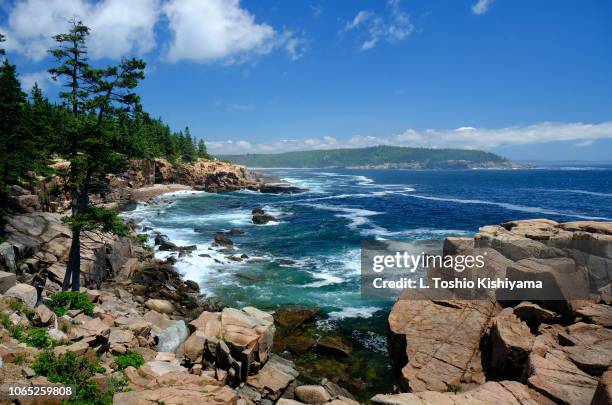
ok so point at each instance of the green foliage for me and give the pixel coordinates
(453, 388)
(377, 155)
(5, 321)
(142, 238)
(98, 125)
(19, 358)
(131, 359)
(61, 302)
(77, 372)
(97, 218)
(37, 337)
(19, 306)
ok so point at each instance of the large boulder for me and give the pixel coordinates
(7, 280)
(171, 338)
(272, 380)
(552, 373)
(237, 341)
(589, 347)
(600, 314)
(161, 306)
(26, 203)
(24, 293)
(534, 315)
(7, 257)
(436, 344)
(511, 342)
(312, 394)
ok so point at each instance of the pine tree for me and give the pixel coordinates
(97, 99)
(189, 152)
(13, 145)
(202, 152)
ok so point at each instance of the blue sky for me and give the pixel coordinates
(528, 79)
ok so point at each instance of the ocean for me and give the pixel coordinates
(310, 256)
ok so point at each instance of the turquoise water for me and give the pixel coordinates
(310, 256)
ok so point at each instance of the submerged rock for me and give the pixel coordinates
(222, 240)
(334, 346)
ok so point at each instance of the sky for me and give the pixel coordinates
(531, 80)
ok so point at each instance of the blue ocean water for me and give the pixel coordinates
(311, 256)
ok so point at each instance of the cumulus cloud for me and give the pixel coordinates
(481, 6)
(221, 30)
(118, 27)
(373, 28)
(43, 79)
(200, 30)
(463, 138)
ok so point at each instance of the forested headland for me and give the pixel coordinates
(374, 157)
(97, 122)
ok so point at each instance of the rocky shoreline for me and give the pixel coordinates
(512, 352)
(194, 351)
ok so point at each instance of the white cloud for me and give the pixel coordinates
(481, 6)
(295, 46)
(463, 138)
(221, 30)
(201, 30)
(240, 108)
(394, 27)
(43, 79)
(118, 27)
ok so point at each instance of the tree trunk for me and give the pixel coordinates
(80, 203)
(73, 269)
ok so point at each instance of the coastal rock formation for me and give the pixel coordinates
(503, 392)
(434, 345)
(260, 217)
(41, 240)
(556, 350)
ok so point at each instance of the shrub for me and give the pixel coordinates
(63, 301)
(37, 337)
(131, 359)
(74, 371)
(18, 306)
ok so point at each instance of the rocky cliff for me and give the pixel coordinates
(512, 352)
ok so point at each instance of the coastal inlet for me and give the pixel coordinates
(309, 255)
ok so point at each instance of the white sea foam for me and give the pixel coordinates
(325, 279)
(595, 193)
(353, 312)
(357, 216)
(512, 207)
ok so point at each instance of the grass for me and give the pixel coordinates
(453, 388)
(19, 358)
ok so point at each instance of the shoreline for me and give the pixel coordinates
(362, 336)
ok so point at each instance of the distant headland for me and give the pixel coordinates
(378, 157)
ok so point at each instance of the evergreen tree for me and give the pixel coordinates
(97, 99)
(202, 152)
(188, 153)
